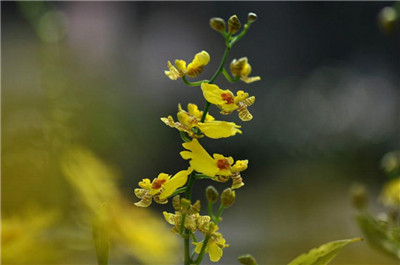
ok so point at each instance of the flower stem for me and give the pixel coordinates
(198, 83)
(188, 260)
(219, 70)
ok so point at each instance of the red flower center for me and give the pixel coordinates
(229, 99)
(223, 164)
(157, 183)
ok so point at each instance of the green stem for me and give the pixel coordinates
(198, 83)
(202, 251)
(210, 210)
(228, 77)
(207, 238)
(178, 191)
(184, 137)
(221, 65)
(188, 196)
(220, 210)
(241, 34)
(202, 176)
(188, 260)
(206, 107)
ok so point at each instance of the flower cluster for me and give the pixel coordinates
(194, 124)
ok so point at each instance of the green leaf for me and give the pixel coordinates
(323, 254)
(380, 235)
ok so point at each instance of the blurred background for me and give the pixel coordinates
(83, 90)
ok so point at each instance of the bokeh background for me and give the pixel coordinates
(83, 89)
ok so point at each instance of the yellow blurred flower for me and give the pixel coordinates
(227, 101)
(132, 231)
(180, 69)
(188, 120)
(241, 68)
(201, 161)
(390, 195)
(160, 188)
(25, 238)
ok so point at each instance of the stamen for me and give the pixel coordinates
(228, 98)
(223, 164)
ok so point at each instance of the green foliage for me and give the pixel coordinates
(323, 254)
(380, 235)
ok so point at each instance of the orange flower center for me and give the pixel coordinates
(223, 164)
(157, 183)
(228, 98)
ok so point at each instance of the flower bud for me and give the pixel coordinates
(211, 194)
(247, 260)
(195, 208)
(217, 24)
(185, 205)
(387, 19)
(233, 24)
(237, 66)
(176, 202)
(358, 196)
(252, 17)
(391, 163)
(228, 197)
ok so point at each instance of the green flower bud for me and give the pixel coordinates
(391, 163)
(185, 205)
(195, 208)
(176, 202)
(233, 24)
(358, 196)
(228, 197)
(252, 17)
(247, 260)
(211, 194)
(217, 24)
(387, 19)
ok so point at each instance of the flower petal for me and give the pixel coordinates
(200, 160)
(177, 181)
(219, 129)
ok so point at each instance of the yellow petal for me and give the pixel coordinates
(200, 60)
(169, 217)
(181, 65)
(177, 181)
(225, 166)
(173, 73)
(214, 251)
(240, 165)
(246, 70)
(198, 245)
(145, 184)
(222, 98)
(200, 160)
(240, 96)
(219, 129)
(158, 183)
(249, 80)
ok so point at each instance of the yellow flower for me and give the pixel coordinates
(176, 219)
(201, 161)
(391, 193)
(188, 120)
(228, 102)
(214, 246)
(200, 60)
(241, 68)
(160, 188)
